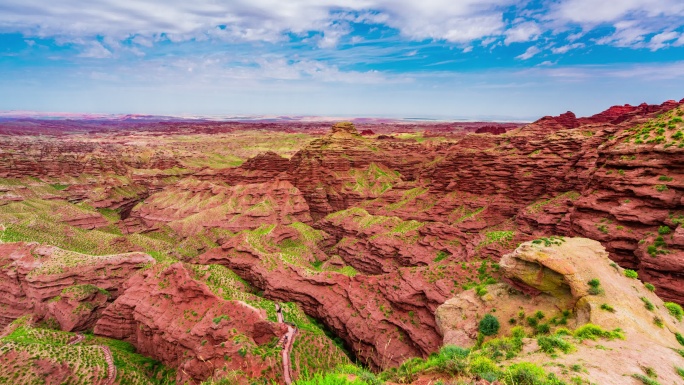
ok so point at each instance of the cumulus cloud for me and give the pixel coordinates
(266, 20)
(595, 12)
(325, 24)
(662, 40)
(522, 32)
(632, 21)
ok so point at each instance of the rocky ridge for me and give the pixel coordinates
(573, 279)
(371, 234)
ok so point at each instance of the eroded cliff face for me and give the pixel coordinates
(384, 318)
(369, 234)
(398, 224)
(68, 287)
(169, 315)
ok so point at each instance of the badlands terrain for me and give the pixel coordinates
(143, 251)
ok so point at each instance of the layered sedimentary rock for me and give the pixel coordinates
(262, 168)
(384, 318)
(168, 315)
(191, 206)
(33, 279)
(370, 234)
(378, 244)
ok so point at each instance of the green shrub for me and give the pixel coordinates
(518, 333)
(631, 274)
(680, 338)
(660, 187)
(453, 351)
(484, 367)
(242, 351)
(329, 379)
(503, 347)
(525, 373)
(607, 307)
(441, 255)
(549, 344)
(679, 371)
(645, 380)
(543, 328)
(658, 321)
(648, 304)
(592, 332)
(405, 373)
(451, 360)
(453, 367)
(675, 310)
(480, 290)
(595, 287)
(664, 230)
(489, 325)
(649, 287)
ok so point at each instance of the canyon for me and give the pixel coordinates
(183, 238)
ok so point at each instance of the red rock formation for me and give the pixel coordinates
(78, 307)
(377, 245)
(262, 168)
(168, 315)
(494, 130)
(560, 175)
(191, 206)
(84, 220)
(31, 275)
(384, 318)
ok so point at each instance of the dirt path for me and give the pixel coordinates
(111, 368)
(78, 338)
(287, 342)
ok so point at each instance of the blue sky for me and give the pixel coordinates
(494, 59)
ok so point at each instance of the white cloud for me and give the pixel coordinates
(143, 23)
(667, 71)
(529, 53)
(679, 42)
(632, 20)
(95, 50)
(627, 33)
(332, 35)
(661, 40)
(566, 48)
(265, 20)
(596, 12)
(488, 41)
(220, 70)
(523, 32)
(143, 41)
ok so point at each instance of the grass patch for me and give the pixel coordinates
(675, 310)
(593, 332)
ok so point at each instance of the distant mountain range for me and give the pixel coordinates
(20, 115)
